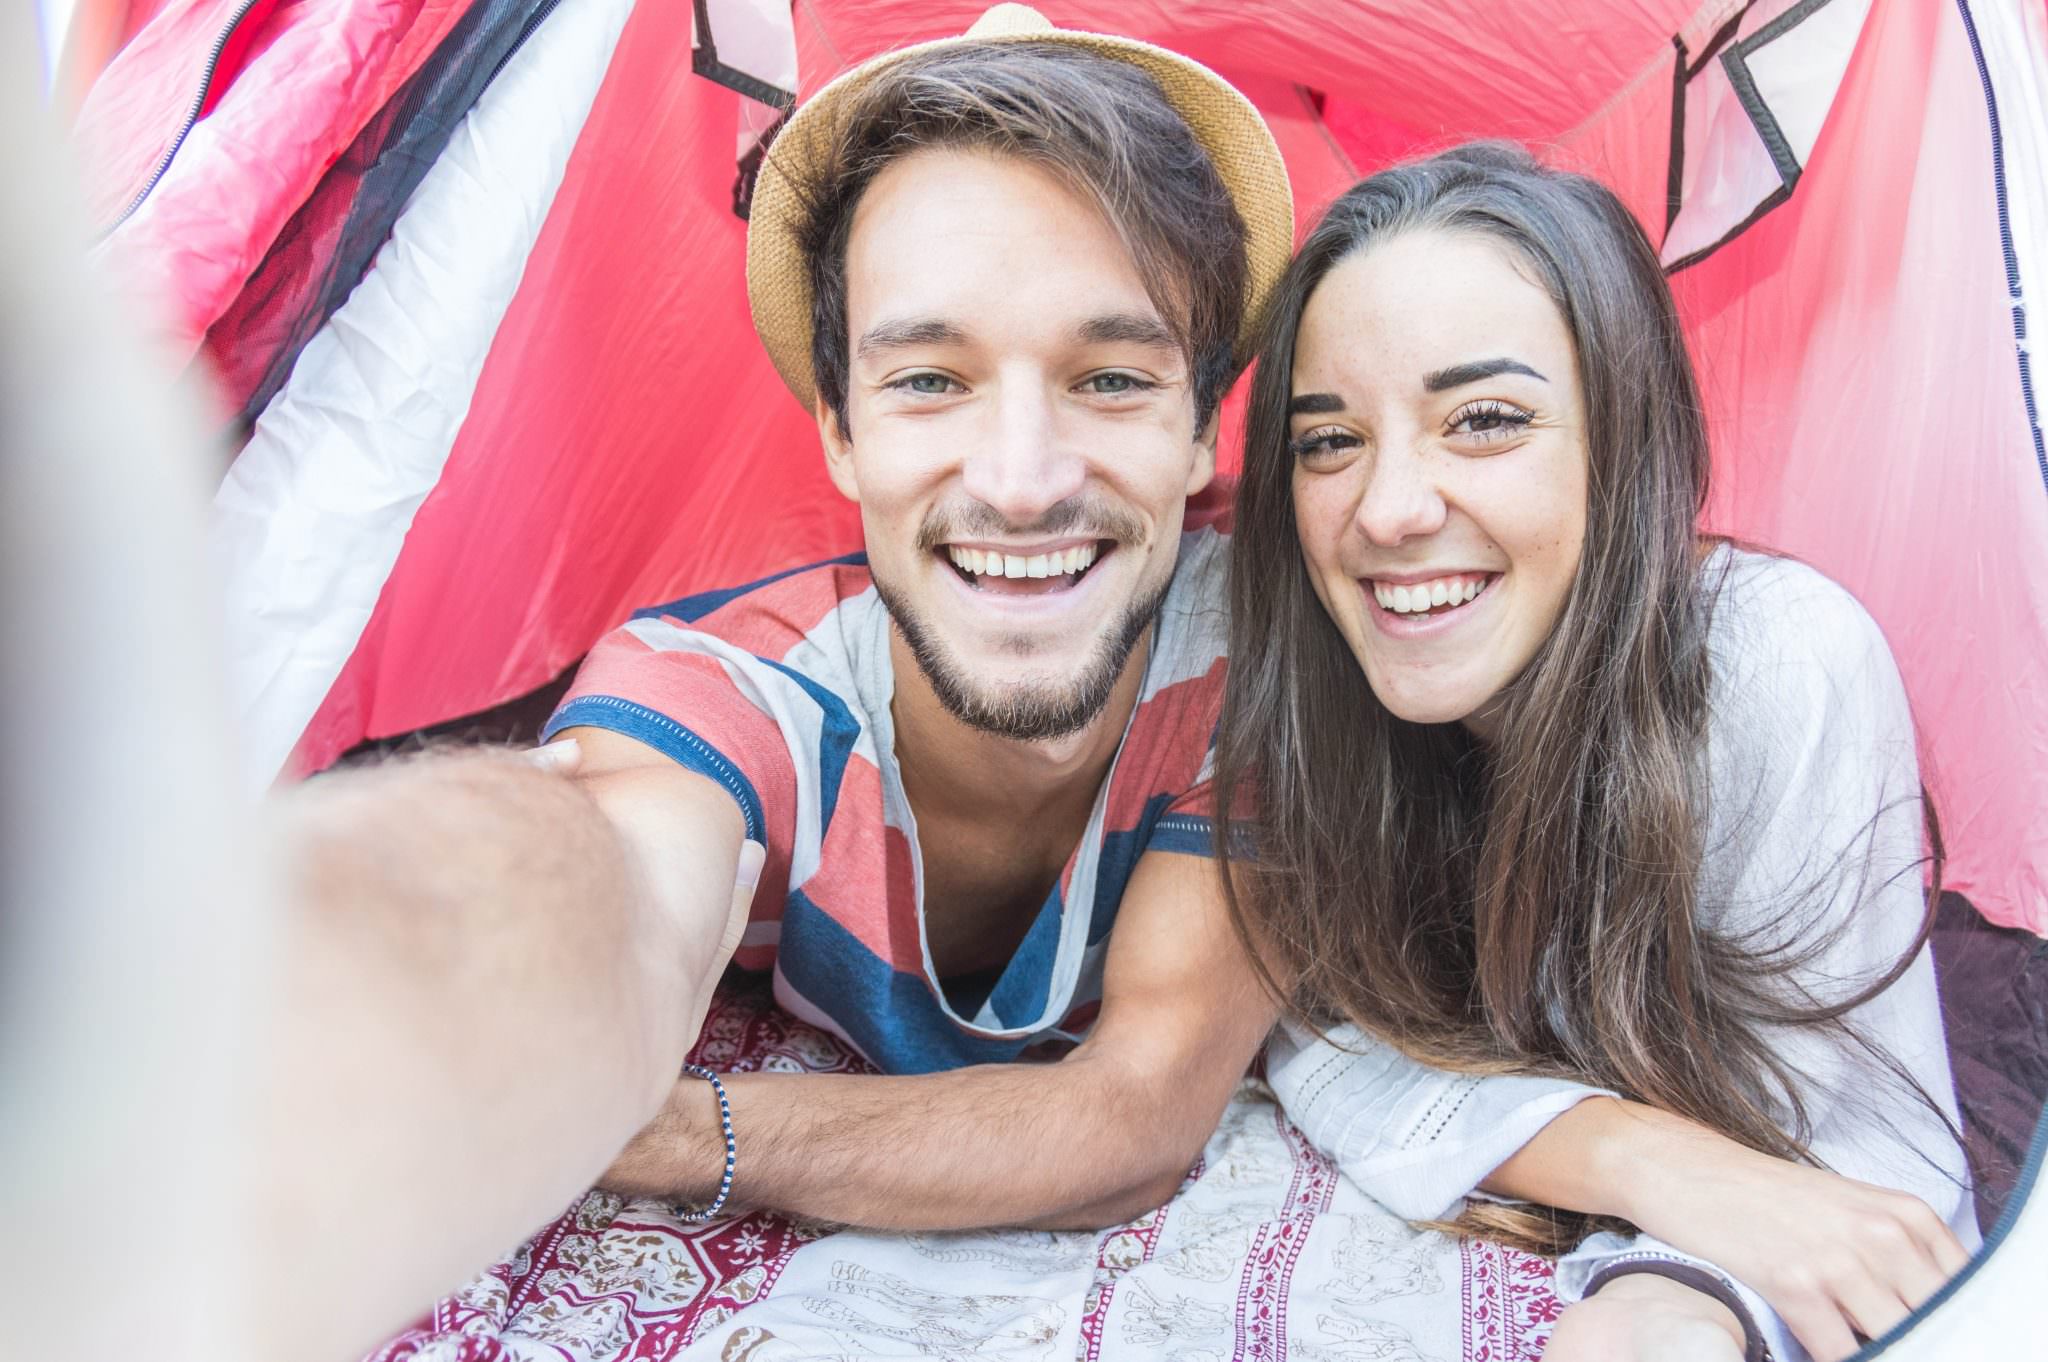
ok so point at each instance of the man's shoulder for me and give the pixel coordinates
(789, 645)
(801, 597)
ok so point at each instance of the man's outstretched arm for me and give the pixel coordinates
(1095, 1139)
(327, 1056)
(485, 982)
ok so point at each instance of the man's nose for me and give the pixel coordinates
(1400, 499)
(1024, 461)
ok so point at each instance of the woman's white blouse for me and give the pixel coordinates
(1814, 827)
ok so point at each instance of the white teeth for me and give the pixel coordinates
(1419, 597)
(1059, 562)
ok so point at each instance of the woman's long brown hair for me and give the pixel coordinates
(1530, 906)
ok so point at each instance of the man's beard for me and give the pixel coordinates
(1033, 711)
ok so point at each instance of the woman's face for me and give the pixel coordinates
(1438, 436)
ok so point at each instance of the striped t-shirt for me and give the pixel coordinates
(780, 692)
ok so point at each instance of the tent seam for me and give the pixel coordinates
(1654, 65)
(2005, 241)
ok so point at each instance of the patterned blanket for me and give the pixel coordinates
(1265, 1254)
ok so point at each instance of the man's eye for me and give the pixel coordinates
(925, 385)
(1117, 385)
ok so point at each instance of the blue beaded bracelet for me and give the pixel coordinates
(731, 1145)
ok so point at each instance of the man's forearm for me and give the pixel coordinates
(476, 1003)
(449, 895)
(1077, 1144)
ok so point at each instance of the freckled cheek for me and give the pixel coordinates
(1543, 538)
(1321, 514)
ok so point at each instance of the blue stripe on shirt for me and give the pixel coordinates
(669, 738)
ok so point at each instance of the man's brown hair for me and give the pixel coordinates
(1100, 124)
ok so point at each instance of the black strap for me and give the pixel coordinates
(1698, 1279)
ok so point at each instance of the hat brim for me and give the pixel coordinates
(1226, 124)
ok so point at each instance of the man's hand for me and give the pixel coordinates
(1646, 1318)
(1099, 1137)
(666, 851)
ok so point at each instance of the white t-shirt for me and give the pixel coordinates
(1814, 826)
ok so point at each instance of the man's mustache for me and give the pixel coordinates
(1089, 516)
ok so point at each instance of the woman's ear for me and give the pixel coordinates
(838, 447)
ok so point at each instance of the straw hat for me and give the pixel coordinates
(1223, 121)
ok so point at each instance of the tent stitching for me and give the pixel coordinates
(2012, 259)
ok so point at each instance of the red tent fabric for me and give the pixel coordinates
(470, 472)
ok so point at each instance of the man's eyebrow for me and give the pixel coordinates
(907, 331)
(1458, 375)
(1314, 404)
(1125, 327)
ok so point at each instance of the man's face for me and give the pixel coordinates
(1021, 439)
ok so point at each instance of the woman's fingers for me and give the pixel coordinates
(1918, 1271)
(1910, 1249)
(1938, 1241)
(1802, 1299)
(1870, 1305)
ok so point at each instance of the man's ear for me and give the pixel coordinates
(1203, 470)
(838, 452)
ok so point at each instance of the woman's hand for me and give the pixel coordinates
(1836, 1258)
(1646, 1318)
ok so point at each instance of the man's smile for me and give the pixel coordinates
(1037, 569)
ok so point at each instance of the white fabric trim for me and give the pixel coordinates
(310, 519)
(1414, 1139)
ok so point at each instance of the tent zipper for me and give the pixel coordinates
(533, 21)
(206, 75)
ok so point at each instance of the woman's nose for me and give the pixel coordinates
(1400, 499)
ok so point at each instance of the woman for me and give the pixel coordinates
(1557, 795)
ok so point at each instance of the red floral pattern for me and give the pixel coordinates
(613, 1281)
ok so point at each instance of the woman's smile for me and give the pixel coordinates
(1418, 607)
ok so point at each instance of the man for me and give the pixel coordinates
(1011, 279)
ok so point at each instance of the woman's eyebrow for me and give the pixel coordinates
(1314, 404)
(1458, 375)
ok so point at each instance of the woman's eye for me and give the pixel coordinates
(1116, 385)
(1319, 445)
(1491, 422)
(925, 385)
